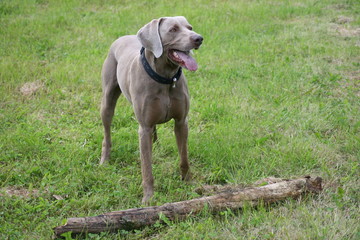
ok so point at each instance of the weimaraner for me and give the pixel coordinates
(154, 84)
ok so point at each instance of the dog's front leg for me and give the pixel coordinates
(181, 133)
(145, 135)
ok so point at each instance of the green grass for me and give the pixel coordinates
(276, 94)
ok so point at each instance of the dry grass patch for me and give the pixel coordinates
(19, 192)
(30, 88)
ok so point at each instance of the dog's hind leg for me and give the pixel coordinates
(111, 93)
(154, 134)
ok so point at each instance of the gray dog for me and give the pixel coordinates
(147, 69)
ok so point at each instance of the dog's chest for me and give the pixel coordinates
(167, 104)
(174, 105)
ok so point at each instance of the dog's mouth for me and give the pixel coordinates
(184, 59)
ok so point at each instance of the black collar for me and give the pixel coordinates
(156, 76)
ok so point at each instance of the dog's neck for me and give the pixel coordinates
(162, 65)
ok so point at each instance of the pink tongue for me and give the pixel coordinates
(189, 62)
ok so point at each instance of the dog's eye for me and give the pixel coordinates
(174, 29)
(190, 28)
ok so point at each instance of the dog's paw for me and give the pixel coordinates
(187, 177)
(147, 199)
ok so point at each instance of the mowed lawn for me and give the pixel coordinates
(276, 94)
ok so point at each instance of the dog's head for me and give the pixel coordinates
(172, 37)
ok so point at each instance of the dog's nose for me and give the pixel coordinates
(198, 39)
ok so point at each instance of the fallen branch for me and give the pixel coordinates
(227, 198)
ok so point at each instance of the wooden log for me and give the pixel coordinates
(233, 198)
(208, 190)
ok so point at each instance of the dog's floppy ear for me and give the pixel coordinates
(149, 37)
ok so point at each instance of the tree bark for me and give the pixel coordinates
(224, 198)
